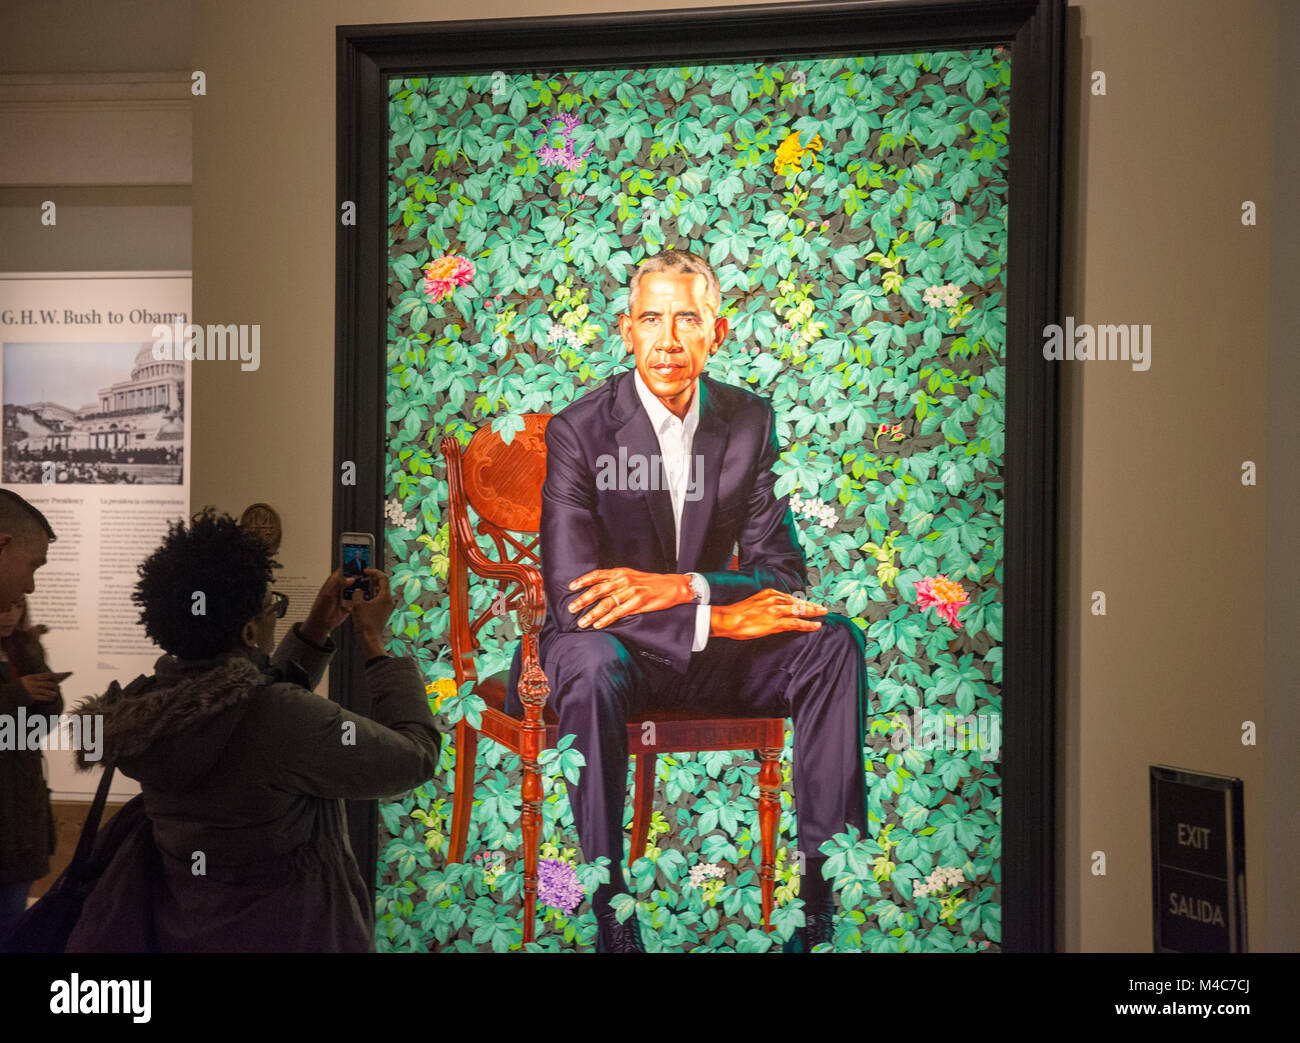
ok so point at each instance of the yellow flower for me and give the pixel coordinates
(789, 154)
(445, 687)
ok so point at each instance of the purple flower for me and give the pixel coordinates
(572, 162)
(550, 156)
(557, 885)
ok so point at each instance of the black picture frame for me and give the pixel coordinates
(368, 55)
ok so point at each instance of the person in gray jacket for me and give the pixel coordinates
(242, 768)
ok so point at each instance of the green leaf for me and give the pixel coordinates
(624, 905)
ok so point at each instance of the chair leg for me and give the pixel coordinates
(643, 799)
(769, 816)
(533, 692)
(463, 802)
(530, 828)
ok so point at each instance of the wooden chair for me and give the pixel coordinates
(503, 483)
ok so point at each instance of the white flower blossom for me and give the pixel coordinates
(702, 871)
(397, 517)
(823, 513)
(942, 879)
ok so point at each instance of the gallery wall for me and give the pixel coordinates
(1198, 636)
(1154, 513)
(94, 100)
(1281, 849)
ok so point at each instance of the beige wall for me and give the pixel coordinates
(1198, 570)
(1154, 513)
(1278, 851)
(91, 107)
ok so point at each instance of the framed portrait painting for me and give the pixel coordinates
(861, 204)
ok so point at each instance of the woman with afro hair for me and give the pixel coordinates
(243, 769)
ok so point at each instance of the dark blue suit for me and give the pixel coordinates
(601, 679)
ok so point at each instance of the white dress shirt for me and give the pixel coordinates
(676, 437)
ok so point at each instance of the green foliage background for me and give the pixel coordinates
(830, 271)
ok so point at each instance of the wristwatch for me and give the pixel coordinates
(699, 587)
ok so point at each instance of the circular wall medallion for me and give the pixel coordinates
(263, 520)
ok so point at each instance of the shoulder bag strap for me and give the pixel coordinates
(81, 857)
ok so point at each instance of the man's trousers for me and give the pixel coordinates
(817, 678)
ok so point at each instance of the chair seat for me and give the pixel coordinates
(492, 690)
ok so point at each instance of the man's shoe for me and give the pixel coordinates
(612, 936)
(819, 927)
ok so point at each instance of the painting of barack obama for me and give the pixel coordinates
(641, 600)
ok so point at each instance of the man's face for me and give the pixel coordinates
(20, 557)
(672, 329)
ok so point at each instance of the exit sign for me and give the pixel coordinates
(1198, 864)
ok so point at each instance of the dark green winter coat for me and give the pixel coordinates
(244, 771)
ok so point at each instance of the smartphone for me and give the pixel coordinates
(60, 678)
(356, 554)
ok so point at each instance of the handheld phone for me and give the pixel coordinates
(356, 554)
(60, 678)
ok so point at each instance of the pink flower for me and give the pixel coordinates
(550, 156)
(571, 162)
(942, 594)
(442, 276)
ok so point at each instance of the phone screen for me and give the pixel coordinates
(356, 559)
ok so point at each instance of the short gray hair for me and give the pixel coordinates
(677, 261)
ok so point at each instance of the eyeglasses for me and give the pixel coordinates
(279, 604)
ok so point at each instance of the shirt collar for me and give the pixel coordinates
(658, 413)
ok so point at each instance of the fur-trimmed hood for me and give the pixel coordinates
(170, 729)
